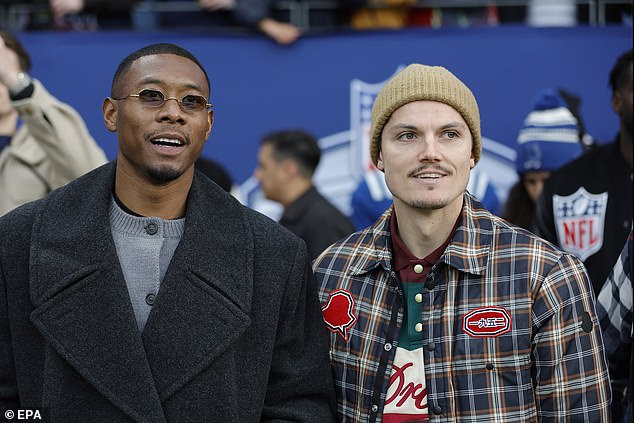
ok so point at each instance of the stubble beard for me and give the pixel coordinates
(427, 205)
(164, 174)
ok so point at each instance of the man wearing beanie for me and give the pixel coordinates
(551, 137)
(601, 179)
(441, 310)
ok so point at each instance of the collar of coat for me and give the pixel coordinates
(82, 306)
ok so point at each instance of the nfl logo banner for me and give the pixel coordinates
(579, 220)
(362, 96)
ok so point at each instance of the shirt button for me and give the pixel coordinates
(418, 298)
(418, 268)
(375, 408)
(151, 228)
(418, 327)
(437, 409)
(489, 366)
(150, 299)
(431, 346)
(387, 347)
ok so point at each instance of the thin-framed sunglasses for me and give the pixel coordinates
(156, 99)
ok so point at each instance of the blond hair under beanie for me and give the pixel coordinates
(419, 82)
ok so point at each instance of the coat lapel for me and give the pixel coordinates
(82, 306)
(204, 301)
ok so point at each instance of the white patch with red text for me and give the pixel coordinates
(487, 322)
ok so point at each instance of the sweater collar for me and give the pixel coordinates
(123, 221)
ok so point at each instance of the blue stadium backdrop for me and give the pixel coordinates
(326, 84)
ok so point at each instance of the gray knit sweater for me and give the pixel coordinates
(145, 246)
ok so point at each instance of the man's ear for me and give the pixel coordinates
(289, 167)
(617, 102)
(210, 121)
(379, 162)
(109, 110)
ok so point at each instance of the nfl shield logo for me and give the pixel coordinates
(579, 219)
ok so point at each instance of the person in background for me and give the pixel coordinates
(548, 140)
(441, 309)
(614, 308)
(91, 14)
(382, 14)
(225, 14)
(256, 13)
(370, 199)
(44, 143)
(142, 291)
(287, 161)
(586, 206)
(280, 24)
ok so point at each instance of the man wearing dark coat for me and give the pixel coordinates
(143, 292)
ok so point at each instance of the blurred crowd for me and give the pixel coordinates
(285, 21)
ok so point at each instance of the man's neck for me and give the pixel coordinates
(422, 231)
(295, 189)
(165, 201)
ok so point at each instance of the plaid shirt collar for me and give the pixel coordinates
(468, 250)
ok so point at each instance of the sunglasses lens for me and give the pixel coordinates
(151, 97)
(194, 102)
(155, 98)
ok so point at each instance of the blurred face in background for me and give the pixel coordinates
(270, 173)
(622, 102)
(534, 183)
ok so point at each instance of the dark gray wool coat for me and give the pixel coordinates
(235, 335)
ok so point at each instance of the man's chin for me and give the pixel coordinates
(428, 205)
(164, 174)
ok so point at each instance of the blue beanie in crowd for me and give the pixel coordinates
(550, 135)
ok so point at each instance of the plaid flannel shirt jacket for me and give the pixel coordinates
(614, 304)
(549, 365)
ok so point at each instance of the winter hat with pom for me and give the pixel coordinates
(550, 135)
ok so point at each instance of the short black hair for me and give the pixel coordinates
(152, 49)
(12, 43)
(297, 145)
(619, 71)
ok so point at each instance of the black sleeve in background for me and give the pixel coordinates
(108, 6)
(543, 221)
(250, 12)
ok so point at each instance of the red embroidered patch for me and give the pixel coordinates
(487, 322)
(339, 312)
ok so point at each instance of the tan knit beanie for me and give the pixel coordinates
(419, 82)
